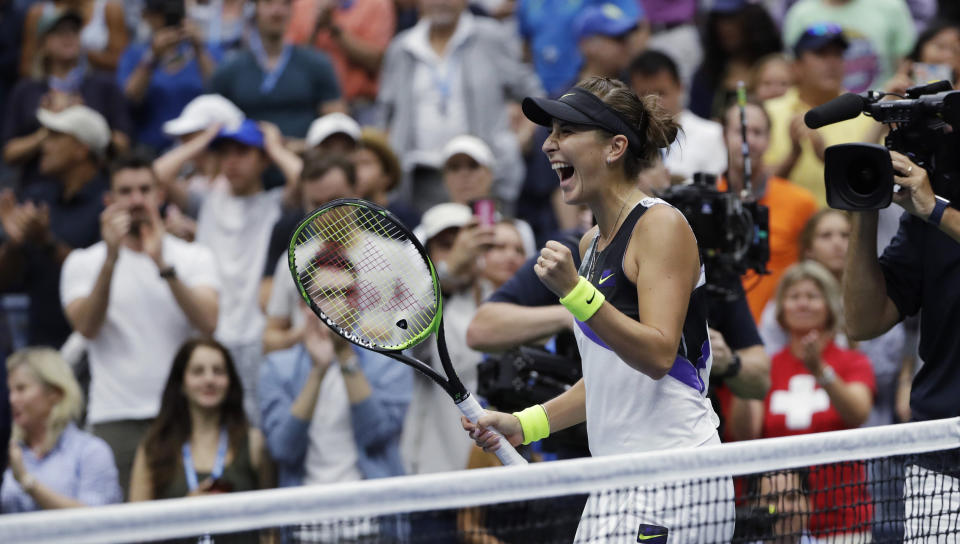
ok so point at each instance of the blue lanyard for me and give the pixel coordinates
(270, 77)
(217, 472)
(71, 82)
(444, 85)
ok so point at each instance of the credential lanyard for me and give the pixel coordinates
(191, 473)
(270, 77)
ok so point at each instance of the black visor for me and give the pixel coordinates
(581, 107)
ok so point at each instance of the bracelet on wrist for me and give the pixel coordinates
(534, 423)
(583, 300)
(827, 376)
(940, 205)
(736, 364)
(29, 483)
(350, 365)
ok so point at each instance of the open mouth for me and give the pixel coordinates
(563, 169)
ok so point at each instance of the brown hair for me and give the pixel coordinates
(809, 231)
(659, 128)
(376, 141)
(316, 164)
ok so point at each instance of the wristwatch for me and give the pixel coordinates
(827, 376)
(28, 483)
(168, 272)
(940, 205)
(350, 366)
(733, 369)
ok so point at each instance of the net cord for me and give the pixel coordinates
(290, 506)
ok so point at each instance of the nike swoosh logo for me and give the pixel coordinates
(593, 295)
(641, 538)
(605, 279)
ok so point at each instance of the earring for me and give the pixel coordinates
(609, 161)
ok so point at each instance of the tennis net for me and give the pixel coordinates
(884, 484)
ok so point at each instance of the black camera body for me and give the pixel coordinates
(733, 234)
(526, 375)
(923, 127)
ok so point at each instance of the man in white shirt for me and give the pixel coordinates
(699, 147)
(235, 222)
(136, 296)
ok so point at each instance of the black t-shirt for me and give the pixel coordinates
(75, 222)
(731, 316)
(280, 239)
(921, 267)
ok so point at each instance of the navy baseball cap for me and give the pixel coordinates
(604, 20)
(818, 36)
(247, 133)
(728, 6)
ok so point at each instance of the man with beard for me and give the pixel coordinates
(136, 296)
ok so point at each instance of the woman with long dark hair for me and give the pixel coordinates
(734, 39)
(200, 443)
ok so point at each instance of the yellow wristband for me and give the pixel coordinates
(583, 300)
(534, 422)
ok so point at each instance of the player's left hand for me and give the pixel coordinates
(915, 195)
(555, 268)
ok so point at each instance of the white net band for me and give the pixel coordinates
(373, 498)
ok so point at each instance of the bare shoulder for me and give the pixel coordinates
(662, 224)
(663, 239)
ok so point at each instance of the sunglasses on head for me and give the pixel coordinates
(823, 29)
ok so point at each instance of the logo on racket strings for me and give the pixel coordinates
(402, 324)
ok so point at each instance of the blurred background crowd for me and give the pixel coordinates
(157, 155)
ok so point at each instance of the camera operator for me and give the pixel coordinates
(917, 272)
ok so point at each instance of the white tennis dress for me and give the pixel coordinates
(629, 412)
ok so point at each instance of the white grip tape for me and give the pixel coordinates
(507, 455)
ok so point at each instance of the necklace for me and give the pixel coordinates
(613, 231)
(595, 246)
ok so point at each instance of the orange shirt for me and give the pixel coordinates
(790, 208)
(372, 22)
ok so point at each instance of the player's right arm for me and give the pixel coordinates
(565, 410)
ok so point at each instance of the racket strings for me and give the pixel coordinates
(366, 275)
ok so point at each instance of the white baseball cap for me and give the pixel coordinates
(440, 218)
(330, 124)
(81, 122)
(471, 146)
(203, 112)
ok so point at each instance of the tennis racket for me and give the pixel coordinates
(369, 279)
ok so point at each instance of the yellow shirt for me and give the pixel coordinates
(808, 171)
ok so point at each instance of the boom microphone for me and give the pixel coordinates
(842, 108)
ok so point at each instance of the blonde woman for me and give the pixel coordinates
(53, 464)
(817, 386)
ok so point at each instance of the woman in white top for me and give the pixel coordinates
(640, 318)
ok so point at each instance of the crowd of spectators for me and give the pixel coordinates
(157, 155)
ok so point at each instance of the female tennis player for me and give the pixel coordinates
(640, 318)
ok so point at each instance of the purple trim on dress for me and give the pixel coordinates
(588, 332)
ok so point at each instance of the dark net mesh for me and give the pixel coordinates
(905, 498)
